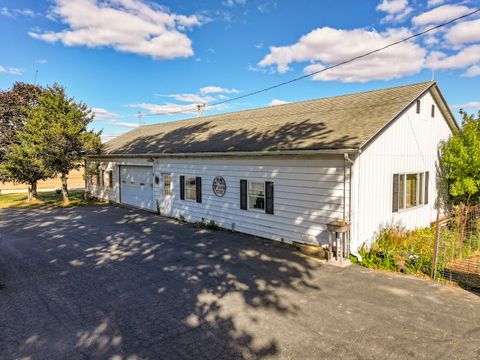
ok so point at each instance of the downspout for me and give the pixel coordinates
(351, 162)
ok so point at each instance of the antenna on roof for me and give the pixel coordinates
(200, 108)
(139, 117)
(433, 74)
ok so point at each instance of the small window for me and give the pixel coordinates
(412, 190)
(256, 195)
(418, 106)
(190, 188)
(433, 111)
(167, 185)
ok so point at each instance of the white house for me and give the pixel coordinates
(284, 172)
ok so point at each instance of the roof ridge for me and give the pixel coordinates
(432, 82)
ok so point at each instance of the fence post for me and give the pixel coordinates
(435, 248)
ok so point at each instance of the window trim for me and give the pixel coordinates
(264, 196)
(187, 188)
(420, 191)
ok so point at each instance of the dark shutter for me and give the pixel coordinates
(243, 194)
(269, 197)
(198, 185)
(426, 187)
(395, 193)
(418, 106)
(182, 187)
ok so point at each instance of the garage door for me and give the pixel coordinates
(136, 186)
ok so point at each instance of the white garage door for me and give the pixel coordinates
(136, 186)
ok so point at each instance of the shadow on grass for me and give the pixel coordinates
(45, 200)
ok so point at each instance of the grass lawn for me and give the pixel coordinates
(46, 199)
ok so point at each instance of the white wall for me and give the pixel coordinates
(410, 144)
(309, 192)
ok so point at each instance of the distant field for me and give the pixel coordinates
(75, 181)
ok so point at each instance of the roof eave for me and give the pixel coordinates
(231, 153)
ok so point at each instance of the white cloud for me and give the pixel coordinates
(472, 71)
(276, 102)
(218, 89)
(439, 15)
(132, 26)
(41, 61)
(103, 114)
(464, 32)
(25, 12)
(123, 124)
(432, 3)
(166, 109)
(396, 10)
(4, 11)
(10, 70)
(327, 46)
(466, 57)
(190, 98)
(232, 3)
(468, 105)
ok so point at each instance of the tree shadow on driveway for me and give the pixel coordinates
(106, 282)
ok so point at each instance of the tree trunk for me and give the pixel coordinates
(32, 191)
(66, 195)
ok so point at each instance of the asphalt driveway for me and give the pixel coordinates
(111, 283)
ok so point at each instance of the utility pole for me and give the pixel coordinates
(200, 108)
(139, 117)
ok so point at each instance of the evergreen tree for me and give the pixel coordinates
(60, 126)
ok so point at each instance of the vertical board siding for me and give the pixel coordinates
(410, 144)
(308, 193)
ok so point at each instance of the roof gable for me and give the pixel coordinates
(341, 122)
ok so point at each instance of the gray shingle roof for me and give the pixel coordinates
(341, 122)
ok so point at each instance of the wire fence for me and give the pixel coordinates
(457, 248)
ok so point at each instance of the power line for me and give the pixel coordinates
(408, 38)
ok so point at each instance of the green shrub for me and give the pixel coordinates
(398, 249)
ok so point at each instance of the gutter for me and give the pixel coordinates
(346, 157)
(231, 154)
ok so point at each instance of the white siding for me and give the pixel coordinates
(309, 192)
(410, 144)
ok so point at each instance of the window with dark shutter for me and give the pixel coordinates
(433, 110)
(198, 184)
(426, 187)
(418, 106)
(269, 190)
(243, 194)
(395, 193)
(182, 187)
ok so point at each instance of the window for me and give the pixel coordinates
(433, 111)
(256, 195)
(190, 188)
(418, 106)
(167, 185)
(410, 190)
(412, 195)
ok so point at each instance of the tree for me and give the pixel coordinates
(14, 104)
(460, 161)
(60, 125)
(22, 162)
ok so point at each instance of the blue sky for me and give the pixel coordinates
(125, 56)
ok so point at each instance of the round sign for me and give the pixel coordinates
(219, 186)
